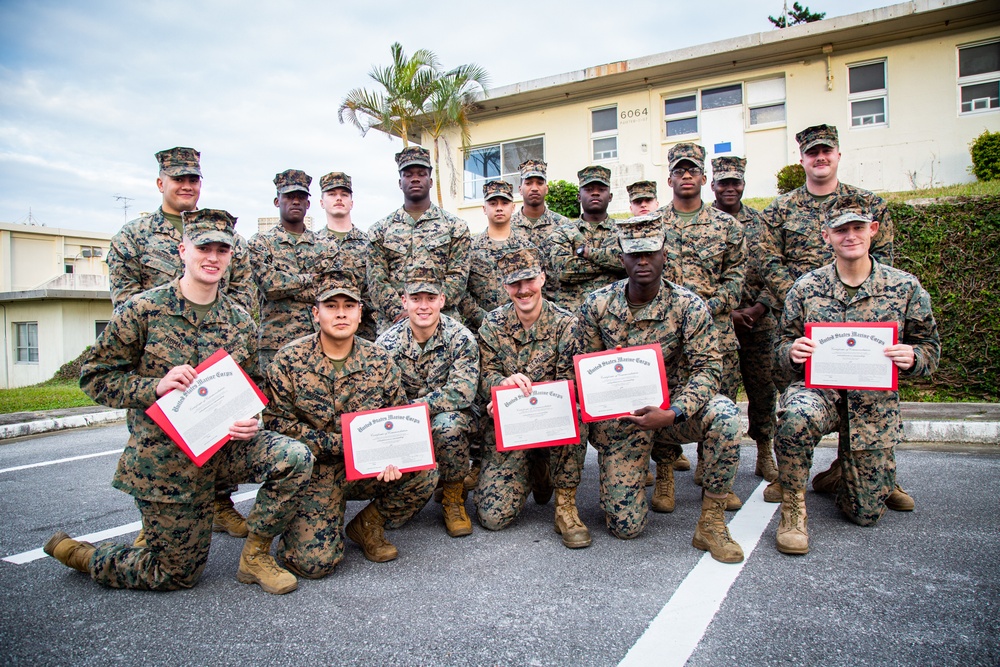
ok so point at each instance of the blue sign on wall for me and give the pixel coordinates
(723, 148)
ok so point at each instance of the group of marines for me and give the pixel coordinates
(419, 311)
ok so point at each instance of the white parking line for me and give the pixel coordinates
(66, 460)
(38, 554)
(677, 630)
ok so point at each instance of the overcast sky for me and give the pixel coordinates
(89, 91)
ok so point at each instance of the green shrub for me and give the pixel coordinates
(985, 152)
(564, 198)
(790, 177)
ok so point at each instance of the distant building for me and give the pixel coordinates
(909, 86)
(264, 224)
(55, 298)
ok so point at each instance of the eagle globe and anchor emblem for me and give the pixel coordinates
(388, 426)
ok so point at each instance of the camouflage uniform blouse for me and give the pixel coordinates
(150, 334)
(486, 291)
(755, 290)
(888, 295)
(144, 255)
(538, 233)
(678, 320)
(579, 276)
(353, 251)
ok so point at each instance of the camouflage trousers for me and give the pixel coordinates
(868, 475)
(451, 432)
(756, 358)
(730, 385)
(313, 541)
(504, 480)
(623, 450)
(178, 535)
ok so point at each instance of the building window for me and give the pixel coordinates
(726, 96)
(766, 101)
(499, 162)
(99, 327)
(26, 342)
(867, 93)
(979, 77)
(604, 133)
(68, 267)
(681, 114)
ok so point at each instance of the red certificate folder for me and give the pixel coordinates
(814, 330)
(387, 424)
(618, 359)
(156, 413)
(568, 440)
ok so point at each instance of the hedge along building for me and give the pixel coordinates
(909, 86)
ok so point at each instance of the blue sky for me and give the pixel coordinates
(89, 91)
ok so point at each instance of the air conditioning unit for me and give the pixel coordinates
(97, 252)
(86, 252)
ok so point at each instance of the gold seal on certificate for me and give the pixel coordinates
(198, 418)
(374, 439)
(851, 355)
(544, 418)
(616, 382)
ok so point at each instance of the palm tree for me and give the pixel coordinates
(407, 84)
(453, 96)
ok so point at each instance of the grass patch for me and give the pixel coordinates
(49, 395)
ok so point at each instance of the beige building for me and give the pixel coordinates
(909, 86)
(54, 298)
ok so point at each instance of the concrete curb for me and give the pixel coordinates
(60, 423)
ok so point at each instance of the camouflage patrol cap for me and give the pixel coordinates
(340, 283)
(413, 155)
(594, 174)
(422, 279)
(817, 135)
(535, 168)
(686, 151)
(335, 179)
(728, 166)
(844, 218)
(641, 190)
(208, 225)
(292, 180)
(643, 233)
(521, 264)
(180, 161)
(494, 189)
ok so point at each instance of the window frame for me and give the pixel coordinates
(603, 134)
(765, 103)
(513, 177)
(869, 95)
(974, 79)
(26, 346)
(682, 115)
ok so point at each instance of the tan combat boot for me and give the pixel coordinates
(71, 553)
(575, 534)
(699, 471)
(772, 492)
(663, 492)
(733, 502)
(828, 480)
(538, 477)
(712, 535)
(257, 566)
(765, 462)
(648, 480)
(366, 529)
(456, 520)
(471, 478)
(793, 535)
(899, 500)
(140, 539)
(227, 519)
(682, 463)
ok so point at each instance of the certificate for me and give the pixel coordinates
(615, 382)
(374, 439)
(545, 418)
(198, 418)
(850, 355)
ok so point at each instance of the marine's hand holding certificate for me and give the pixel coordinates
(613, 383)
(198, 418)
(399, 436)
(544, 418)
(851, 355)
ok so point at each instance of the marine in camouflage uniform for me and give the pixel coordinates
(143, 254)
(644, 310)
(439, 360)
(311, 392)
(583, 254)
(536, 220)
(753, 320)
(869, 421)
(528, 340)
(352, 244)
(434, 239)
(642, 197)
(155, 338)
(291, 266)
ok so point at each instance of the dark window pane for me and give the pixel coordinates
(727, 96)
(483, 162)
(867, 77)
(979, 59)
(774, 113)
(868, 112)
(604, 120)
(679, 105)
(981, 96)
(682, 126)
(516, 152)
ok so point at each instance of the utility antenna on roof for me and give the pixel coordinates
(124, 200)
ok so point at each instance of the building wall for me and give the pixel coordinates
(924, 142)
(32, 256)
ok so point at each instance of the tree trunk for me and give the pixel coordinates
(437, 172)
